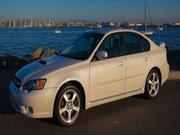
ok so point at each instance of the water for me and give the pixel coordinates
(170, 35)
(24, 41)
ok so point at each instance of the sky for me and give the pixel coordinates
(162, 11)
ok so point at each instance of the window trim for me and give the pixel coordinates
(124, 44)
(121, 43)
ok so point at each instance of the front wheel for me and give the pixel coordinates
(68, 105)
(153, 84)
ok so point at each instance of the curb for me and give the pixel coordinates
(174, 75)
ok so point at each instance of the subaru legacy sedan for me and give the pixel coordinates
(101, 66)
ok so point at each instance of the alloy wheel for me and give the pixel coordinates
(69, 106)
(153, 84)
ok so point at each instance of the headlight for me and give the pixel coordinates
(34, 85)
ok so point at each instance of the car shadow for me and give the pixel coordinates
(119, 106)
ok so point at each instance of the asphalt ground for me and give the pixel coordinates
(131, 116)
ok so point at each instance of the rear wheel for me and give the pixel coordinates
(153, 84)
(68, 105)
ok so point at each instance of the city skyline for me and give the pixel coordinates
(162, 11)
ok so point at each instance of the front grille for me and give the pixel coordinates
(17, 82)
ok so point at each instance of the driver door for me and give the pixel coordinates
(107, 77)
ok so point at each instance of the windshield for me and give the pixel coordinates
(83, 46)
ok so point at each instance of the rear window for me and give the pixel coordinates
(135, 43)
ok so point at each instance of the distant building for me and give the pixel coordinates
(10, 24)
(139, 24)
(14, 24)
(59, 25)
(49, 23)
(177, 24)
(4, 24)
(124, 24)
(131, 24)
(74, 24)
(36, 24)
(70, 24)
(27, 23)
(79, 24)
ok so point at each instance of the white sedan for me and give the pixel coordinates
(99, 67)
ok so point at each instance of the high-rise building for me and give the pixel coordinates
(28, 23)
(49, 23)
(36, 23)
(10, 24)
(14, 24)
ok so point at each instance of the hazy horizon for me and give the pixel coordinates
(162, 11)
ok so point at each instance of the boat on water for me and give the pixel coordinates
(96, 26)
(147, 31)
(57, 31)
(160, 28)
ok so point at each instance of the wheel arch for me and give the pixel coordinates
(159, 72)
(78, 85)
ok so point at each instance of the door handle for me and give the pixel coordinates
(120, 64)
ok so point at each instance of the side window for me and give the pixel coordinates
(112, 44)
(144, 43)
(132, 44)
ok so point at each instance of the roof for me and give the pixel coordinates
(107, 30)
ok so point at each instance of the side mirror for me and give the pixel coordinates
(101, 55)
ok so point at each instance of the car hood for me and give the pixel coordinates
(44, 66)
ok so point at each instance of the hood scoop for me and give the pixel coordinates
(42, 62)
(45, 61)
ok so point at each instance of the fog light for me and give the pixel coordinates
(29, 109)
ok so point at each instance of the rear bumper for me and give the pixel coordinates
(165, 73)
(36, 104)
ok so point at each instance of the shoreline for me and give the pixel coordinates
(90, 25)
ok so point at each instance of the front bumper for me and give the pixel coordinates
(35, 104)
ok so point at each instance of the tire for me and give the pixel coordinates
(153, 84)
(68, 105)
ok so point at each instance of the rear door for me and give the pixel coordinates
(137, 60)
